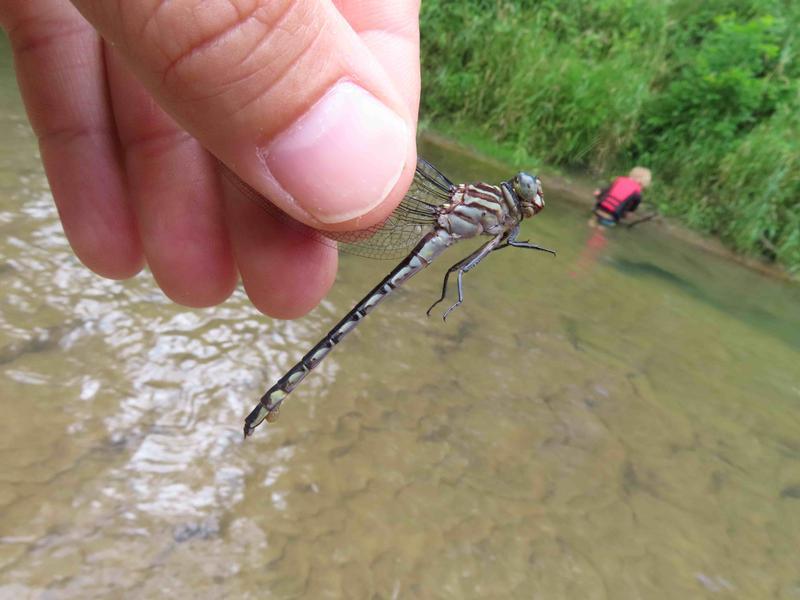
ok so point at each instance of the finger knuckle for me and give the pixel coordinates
(43, 34)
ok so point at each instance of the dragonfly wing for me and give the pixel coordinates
(414, 217)
(403, 228)
(432, 179)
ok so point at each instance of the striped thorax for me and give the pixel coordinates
(484, 209)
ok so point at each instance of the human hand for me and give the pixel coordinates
(311, 102)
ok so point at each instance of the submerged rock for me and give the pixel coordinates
(204, 530)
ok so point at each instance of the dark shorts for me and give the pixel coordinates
(605, 221)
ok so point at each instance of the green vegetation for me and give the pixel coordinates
(705, 94)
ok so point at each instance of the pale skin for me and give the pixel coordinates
(131, 100)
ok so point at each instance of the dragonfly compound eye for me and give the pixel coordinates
(529, 189)
(526, 186)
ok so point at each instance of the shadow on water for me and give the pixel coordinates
(42, 340)
(756, 316)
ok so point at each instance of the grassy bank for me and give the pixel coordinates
(708, 98)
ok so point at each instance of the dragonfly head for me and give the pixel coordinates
(528, 189)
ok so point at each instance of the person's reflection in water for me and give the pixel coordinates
(595, 244)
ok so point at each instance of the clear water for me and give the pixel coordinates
(622, 421)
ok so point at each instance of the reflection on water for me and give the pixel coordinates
(749, 309)
(621, 427)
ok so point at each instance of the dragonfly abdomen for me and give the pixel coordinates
(420, 257)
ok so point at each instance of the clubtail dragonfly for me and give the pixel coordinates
(434, 214)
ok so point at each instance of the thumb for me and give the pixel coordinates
(284, 92)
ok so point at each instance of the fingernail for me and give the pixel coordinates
(341, 158)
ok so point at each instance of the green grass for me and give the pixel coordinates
(708, 98)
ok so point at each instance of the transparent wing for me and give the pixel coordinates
(430, 180)
(401, 230)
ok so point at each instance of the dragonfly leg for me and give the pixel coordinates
(460, 296)
(525, 244)
(468, 264)
(515, 244)
(450, 271)
(464, 261)
(511, 240)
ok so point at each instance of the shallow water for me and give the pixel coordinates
(622, 421)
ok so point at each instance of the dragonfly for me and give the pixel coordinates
(434, 214)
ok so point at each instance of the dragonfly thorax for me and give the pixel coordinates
(528, 189)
